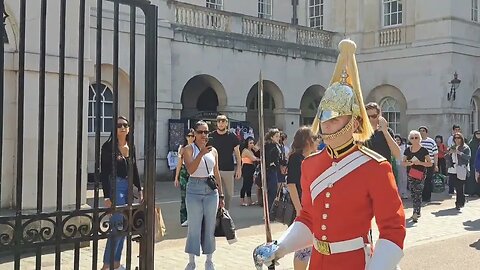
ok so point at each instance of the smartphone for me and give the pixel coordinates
(209, 141)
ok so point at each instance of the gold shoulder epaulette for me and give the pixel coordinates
(374, 155)
(314, 154)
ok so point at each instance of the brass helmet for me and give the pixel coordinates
(344, 95)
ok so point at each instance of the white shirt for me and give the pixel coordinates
(450, 141)
(202, 171)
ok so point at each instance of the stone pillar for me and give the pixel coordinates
(31, 111)
(238, 113)
(288, 120)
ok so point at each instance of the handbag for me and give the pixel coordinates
(257, 176)
(438, 183)
(160, 230)
(416, 174)
(461, 172)
(211, 181)
(283, 210)
(224, 226)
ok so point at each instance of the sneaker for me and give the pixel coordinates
(190, 266)
(185, 224)
(209, 265)
(121, 267)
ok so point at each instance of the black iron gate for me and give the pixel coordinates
(66, 44)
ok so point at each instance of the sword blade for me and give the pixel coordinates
(261, 124)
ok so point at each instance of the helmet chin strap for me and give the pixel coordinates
(340, 132)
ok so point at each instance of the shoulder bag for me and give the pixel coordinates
(283, 210)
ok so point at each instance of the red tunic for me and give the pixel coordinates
(345, 211)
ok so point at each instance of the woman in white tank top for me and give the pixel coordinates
(202, 201)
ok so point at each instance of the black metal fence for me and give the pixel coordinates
(27, 233)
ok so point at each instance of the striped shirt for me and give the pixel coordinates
(431, 146)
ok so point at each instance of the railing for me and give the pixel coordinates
(312, 37)
(202, 18)
(256, 27)
(389, 37)
(219, 20)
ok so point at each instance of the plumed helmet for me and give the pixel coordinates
(344, 95)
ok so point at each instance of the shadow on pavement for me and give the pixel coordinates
(472, 225)
(446, 212)
(475, 245)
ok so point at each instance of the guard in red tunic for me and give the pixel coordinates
(344, 187)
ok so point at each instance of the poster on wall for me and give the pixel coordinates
(176, 133)
(241, 129)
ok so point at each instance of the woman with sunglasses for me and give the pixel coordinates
(181, 176)
(416, 159)
(202, 199)
(122, 158)
(459, 167)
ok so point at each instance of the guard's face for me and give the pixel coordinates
(334, 125)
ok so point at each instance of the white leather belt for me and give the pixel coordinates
(327, 248)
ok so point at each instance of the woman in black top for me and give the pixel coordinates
(416, 159)
(302, 146)
(272, 163)
(122, 162)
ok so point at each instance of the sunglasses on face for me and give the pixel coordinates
(122, 125)
(205, 132)
(222, 120)
(413, 138)
(373, 116)
(457, 138)
(190, 135)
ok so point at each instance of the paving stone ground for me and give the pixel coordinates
(441, 226)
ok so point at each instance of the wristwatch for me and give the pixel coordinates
(221, 196)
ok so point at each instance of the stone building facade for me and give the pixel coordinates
(210, 53)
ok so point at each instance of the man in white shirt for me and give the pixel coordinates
(455, 129)
(431, 146)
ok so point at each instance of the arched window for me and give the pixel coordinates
(391, 112)
(473, 115)
(268, 102)
(106, 107)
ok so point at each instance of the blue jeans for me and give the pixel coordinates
(202, 205)
(272, 186)
(116, 220)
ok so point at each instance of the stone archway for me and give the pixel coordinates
(394, 106)
(272, 102)
(309, 103)
(202, 93)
